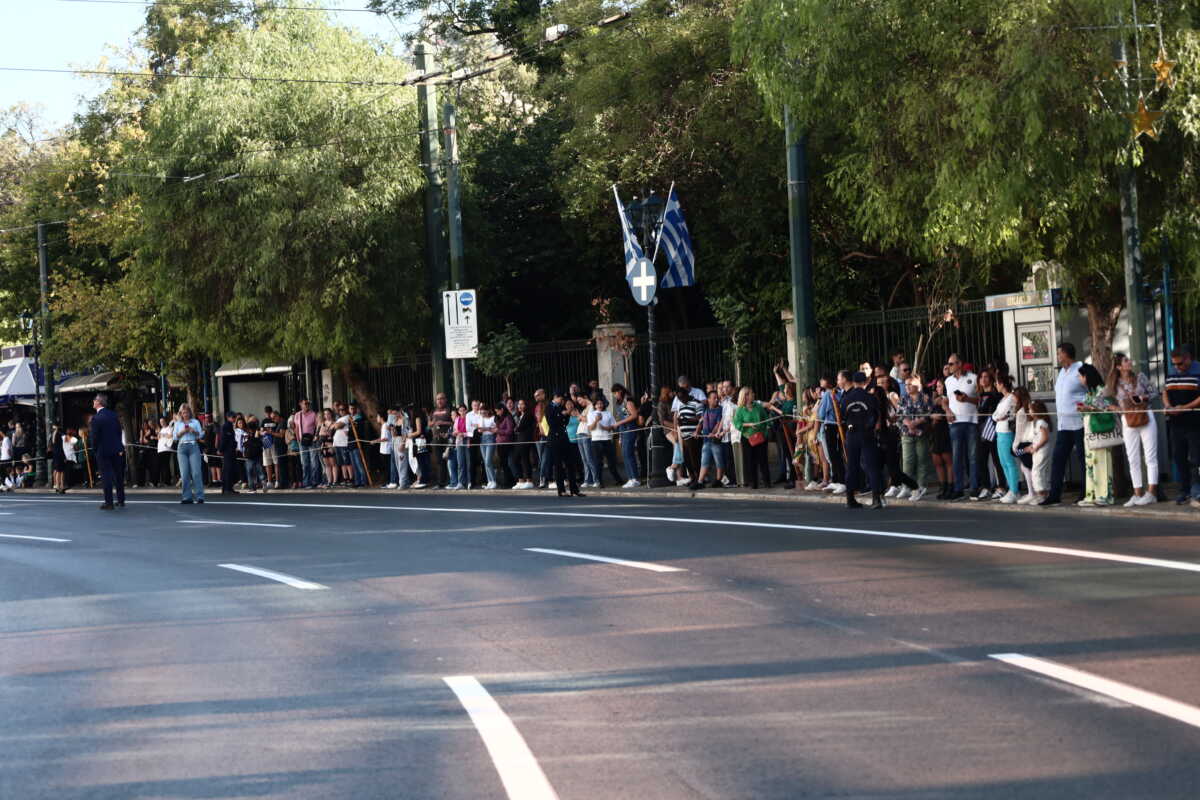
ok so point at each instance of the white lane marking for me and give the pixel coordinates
(247, 524)
(290, 580)
(1109, 688)
(1141, 561)
(607, 560)
(34, 538)
(519, 771)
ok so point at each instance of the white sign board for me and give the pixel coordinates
(460, 310)
(643, 281)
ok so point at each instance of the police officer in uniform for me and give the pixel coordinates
(861, 413)
(110, 451)
(557, 416)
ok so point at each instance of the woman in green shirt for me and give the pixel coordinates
(751, 420)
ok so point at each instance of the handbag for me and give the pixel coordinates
(1137, 418)
(757, 438)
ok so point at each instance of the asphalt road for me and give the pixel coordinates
(756, 651)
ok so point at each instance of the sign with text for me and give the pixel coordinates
(1034, 299)
(460, 312)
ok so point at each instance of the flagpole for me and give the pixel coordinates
(661, 221)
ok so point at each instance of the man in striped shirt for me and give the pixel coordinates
(1181, 396)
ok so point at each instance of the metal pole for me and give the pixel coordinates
(800, 233)
(435, 255)
(47, 371)
(1167, 301)
(1130, 235)
(454, 222)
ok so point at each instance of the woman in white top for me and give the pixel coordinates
(601, 425)
(1004, 416)
(6, 457)
(385, 440)
(583, 440)
(487, 444)
(188, 432)
(166, 444)
(1134, 391)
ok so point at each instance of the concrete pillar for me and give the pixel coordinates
(610, 360)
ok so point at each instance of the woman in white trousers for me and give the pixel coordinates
(1133, 391)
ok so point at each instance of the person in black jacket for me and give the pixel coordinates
(861, 414)
(560, 446)
(228, 447)
(107, 444)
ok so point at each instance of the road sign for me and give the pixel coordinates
(460, 310)
(643, 281)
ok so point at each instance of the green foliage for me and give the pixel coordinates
(290, 225)
(502, 355)
(970, 135)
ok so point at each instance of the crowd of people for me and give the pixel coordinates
(966, 433)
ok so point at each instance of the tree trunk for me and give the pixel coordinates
(1102, 324)
(356, 380)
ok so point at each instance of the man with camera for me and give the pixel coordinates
(961, 404)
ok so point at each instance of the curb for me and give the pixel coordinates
(1163, 511)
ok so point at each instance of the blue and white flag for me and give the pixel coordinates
(633, 250)
(674, 238)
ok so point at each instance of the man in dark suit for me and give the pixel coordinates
(228, 455)
(109, 448)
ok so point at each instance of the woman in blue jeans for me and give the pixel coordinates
(628, 427)
(187, 434)
(487, 430)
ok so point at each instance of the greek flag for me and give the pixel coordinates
(673, 236)
(633, 250)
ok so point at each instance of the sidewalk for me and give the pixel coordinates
(1160, 511)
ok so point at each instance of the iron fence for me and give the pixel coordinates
(707, 355)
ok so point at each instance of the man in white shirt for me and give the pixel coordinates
(1068, 393)
(341, 444)
(962, 401)
(698, 395)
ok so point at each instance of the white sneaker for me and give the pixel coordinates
(1028, 500)
(391, 486)
(838, 488)
(630, 484)
(999, 494)
(682, 482)
(892, 492)
(423, 485)
(1085, 503)
(918, 494)
(983, 494)
(1148, 499)
(904, 493)
(725, 480)
(671, 474)
(810, 486)
(1133, 501)
(1009, 499)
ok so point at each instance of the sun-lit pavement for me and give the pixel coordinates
(475, 646)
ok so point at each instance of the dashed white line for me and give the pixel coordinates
(520, 772)
(245, 524)
(621, 561)
(1103, 686)
(33, 538)
(290, 580)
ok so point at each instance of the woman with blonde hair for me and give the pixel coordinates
(187, 432)
(751, 420)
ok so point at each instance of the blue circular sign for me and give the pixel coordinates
(466, 298)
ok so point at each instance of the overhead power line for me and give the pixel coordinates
(237, 7)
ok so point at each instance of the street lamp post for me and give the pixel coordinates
(39, 437)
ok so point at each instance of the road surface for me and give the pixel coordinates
(362, 645)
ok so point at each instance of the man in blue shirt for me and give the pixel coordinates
(1069, 392)
(1181, 396)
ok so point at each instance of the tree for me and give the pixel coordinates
(503, 354)
(289, 223)
(970, 135)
